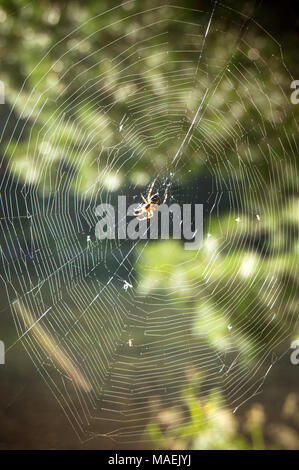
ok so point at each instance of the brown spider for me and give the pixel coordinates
(151, 203)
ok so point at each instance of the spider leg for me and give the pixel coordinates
(143, 218)
(139, 210)
(150, 190)
(165, 196)
(148, 214)
(144, 199)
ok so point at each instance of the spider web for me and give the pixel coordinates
(115, 326)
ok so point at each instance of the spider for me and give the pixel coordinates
(150, 204)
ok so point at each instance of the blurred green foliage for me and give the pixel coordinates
(219, 428)
(73, 70)
(216, 429)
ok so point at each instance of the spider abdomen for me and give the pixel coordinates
(155, 199)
